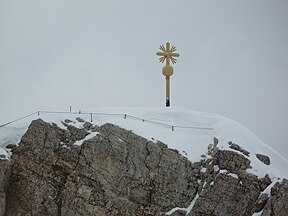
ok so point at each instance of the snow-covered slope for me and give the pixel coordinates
(187, 131)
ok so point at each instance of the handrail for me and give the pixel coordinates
(18, 119)
(108, 114)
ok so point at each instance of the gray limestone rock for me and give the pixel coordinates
(80, 120)
(120, 173)
(11, 146)
(226, 196)
(231, 161)
(277, 203)
(264, 182)
(264, 158)
(115, 173)
(77, 133)
(260, 203)
(238, 148)
(4, 175)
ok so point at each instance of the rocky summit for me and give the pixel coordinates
(108, 170)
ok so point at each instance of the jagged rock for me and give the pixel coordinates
(4, 175)
(90, 127)
(87, 125)
(179, 213)
(215, 141)
(264, 182)
(64, 123)
(249, 180)
(80, 120)
(277, 203)
(226, 196)
(260, 203)
(67, 121)
(94, 128)
(114, 173)
(231, 161)
(77, 133)
(238, 148)
(212, 149)
(225, 193)
(11, 146)
(265, 159)
(209, 169)
(120, 173)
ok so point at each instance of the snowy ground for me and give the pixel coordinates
(190, 135)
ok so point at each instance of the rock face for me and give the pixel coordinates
(277, 204)
(225, 197)
(114, 173)
(117, 172)
(231, 161)
(4, 174)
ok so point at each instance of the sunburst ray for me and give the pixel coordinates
(173, 60)
(173, 49)
(162, 59)
(162, 48)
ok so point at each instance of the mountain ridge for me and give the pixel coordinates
(79, 168)
(224, 129)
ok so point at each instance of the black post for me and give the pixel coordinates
(167, 103)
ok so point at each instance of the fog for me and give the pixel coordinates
(233, 58)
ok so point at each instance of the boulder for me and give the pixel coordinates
(231, 161)
(264, 158)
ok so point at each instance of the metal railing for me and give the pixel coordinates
(125, 116)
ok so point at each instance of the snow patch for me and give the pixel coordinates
(188, 209)
(258, 213)
(89, 136)
(203, 169)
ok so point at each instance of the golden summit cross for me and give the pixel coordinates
(168, 55)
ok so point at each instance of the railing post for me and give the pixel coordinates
(91, 117)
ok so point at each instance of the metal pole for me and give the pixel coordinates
(167, 91)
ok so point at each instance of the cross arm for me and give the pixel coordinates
(174, 54)
(161, 53)
(167, 54)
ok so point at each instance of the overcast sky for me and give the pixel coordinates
(233, 58)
